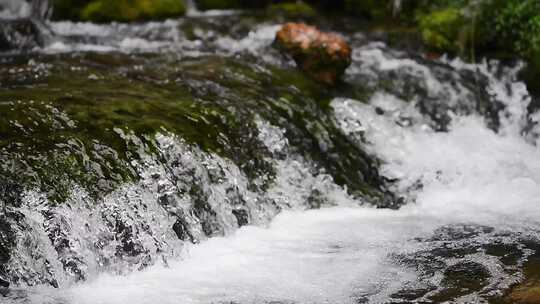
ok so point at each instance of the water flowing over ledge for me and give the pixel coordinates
(180, 166)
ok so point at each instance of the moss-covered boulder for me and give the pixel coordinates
(119, 10)
(294, 9)
(323, 56)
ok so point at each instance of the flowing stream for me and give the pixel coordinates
(187, 161)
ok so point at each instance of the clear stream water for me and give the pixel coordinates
(472, 191)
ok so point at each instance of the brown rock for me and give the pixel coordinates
(528, 291)
(525, 295)
(324, 56)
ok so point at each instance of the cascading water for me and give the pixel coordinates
(184, 163)
(17, 9)
(23, 24)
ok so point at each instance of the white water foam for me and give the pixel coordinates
(320, 256)
(161, 37)
(14, 9)
(121, 37)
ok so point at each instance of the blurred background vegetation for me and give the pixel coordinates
(468, 28)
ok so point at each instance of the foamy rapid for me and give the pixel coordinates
(470, 176)
(165, 36)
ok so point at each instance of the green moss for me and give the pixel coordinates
(132, 10)
(292, 9)
(518, 23)
(443, 30)
(63, 129)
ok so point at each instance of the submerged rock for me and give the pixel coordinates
(324, 56)
(526, 295)
(528, 291)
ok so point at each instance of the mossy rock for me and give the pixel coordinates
(295, 9)
(209, 102)
(132, 10)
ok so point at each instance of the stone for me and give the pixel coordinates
(324, 56)
(18, 34)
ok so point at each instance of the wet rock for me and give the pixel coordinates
(242, 217)
(181, 228)
(461, 279)
(509, 254)
(7, 242)
(21, 34)
(435, 99)
(324, 56)
(460, 232)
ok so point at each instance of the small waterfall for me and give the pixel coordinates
(14, 9)
(191, 8)
(23, 25)
(41, 10)
(19, 9)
